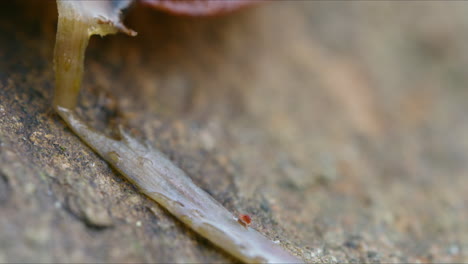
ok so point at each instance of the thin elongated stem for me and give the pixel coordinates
(164, 182)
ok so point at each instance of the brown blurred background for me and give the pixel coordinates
(340, 127)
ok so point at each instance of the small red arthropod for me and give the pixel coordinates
(244, 220)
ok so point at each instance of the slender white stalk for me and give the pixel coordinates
(161, 180)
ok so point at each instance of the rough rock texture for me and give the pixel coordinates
(341, 128)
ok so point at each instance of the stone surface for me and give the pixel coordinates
(341, 128)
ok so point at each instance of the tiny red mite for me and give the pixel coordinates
(244, 220)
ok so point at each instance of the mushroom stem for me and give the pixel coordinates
(77, 22)
(70, 46)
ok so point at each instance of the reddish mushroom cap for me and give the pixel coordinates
(198, 7)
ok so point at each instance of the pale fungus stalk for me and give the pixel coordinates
(155, 175)
(77, 22)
